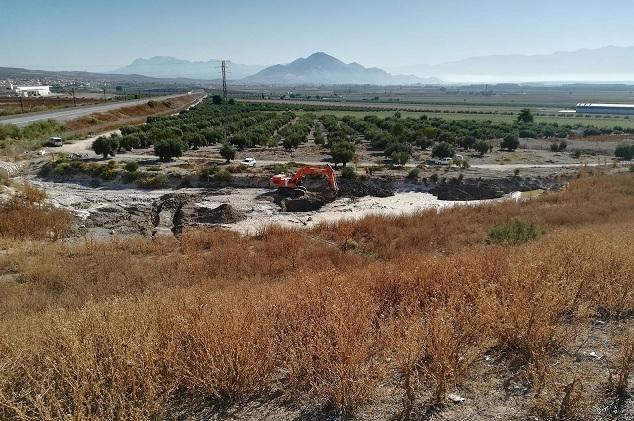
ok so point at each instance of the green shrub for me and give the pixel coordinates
(130, 176)
(154, 181)
(433, 178)
(227, 152)
(237, 169)
(525, 116)
(442, 150)
(399, 158)
(108, 173)
(482, 146)
(349, 173)
(168, 149)
(132, 166)
(342, 152)
(106, 145)
(222, 175)
(413, 173)
(513, 233)
(207, 173)
(319, 138)
(624, 151)
(510, 142)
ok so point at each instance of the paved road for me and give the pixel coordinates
(66, 114)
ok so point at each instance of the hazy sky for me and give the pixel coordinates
(104, 34)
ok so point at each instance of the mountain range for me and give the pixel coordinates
(323, 69)
(599, 64)
(170, 67)
(606, 64)
(316, 69)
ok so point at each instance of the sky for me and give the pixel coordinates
(98, 35)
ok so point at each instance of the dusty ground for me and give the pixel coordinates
(103, 212)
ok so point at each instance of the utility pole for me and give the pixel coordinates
(224, 79)
(21, 103)
(74, 99)
(104, 94)
(223, 70)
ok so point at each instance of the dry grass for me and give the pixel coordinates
(26, 215)
(128, 329)
(108, 120)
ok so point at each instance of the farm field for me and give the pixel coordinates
(500, 96)
(450, 114)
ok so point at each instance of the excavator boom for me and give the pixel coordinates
(281, 180)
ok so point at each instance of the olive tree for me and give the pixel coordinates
(106, 145)
(227, 152)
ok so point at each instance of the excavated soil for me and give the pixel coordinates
(491, 189)
(106, 211)
(175, 212)
(223, 214)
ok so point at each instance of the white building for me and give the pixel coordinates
(622, 109)
(26, 91)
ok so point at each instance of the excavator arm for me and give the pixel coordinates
(327, 170)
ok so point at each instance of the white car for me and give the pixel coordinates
(249, 162)
(445, 161)
(56, 141)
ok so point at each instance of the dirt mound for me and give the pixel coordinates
(298, 200)
(360, 188)
(306, 203)
(223, 214)
(478, 191)
(492, 189)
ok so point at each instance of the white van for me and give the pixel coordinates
(56, 142)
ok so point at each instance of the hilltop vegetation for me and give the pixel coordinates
(384, 316)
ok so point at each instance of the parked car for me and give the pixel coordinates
(56, 142)
(249, 162)
(445, 161)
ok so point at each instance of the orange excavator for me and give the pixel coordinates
(284, 181)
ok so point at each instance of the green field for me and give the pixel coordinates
(501, 118)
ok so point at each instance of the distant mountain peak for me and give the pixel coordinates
(323, 69)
